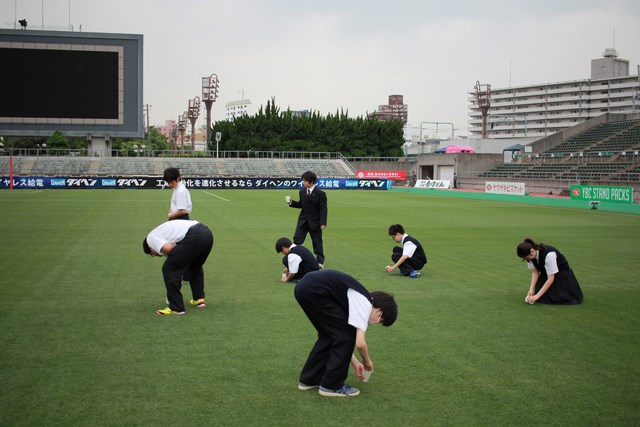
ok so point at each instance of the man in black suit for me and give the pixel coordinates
(313, 215)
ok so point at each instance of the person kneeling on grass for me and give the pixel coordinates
(552, 279)
(187, 245)
(297, 260)
(409, 257)
(340, 309)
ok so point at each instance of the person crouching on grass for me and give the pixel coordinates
(186, 245)
(297, 260)
(340, 309)
(552, 279)
(408, 258)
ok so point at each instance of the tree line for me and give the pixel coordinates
(271, 129)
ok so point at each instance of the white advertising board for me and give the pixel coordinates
(510, 188)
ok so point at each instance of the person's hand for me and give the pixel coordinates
(284, 277)
(533, 298)
(368, 365)
(322, 227)
(359, 368)
(389, 268)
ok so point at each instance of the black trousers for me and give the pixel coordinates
(329, 359)
(316, 239)
(188, 257)
(408, 265)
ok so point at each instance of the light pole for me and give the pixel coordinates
(193, 113)
(218, 139)
(182, 126)
(210, 87)
(174, 137)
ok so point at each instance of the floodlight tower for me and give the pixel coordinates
(209, 95)
(182, 127)
(193, 113)
(483, 100)
(174, 137)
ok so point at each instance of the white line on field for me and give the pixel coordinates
(215, 195)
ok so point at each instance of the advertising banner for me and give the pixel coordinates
(510, 188)
(47, 182)
(602, 193)
(395, 175)
(432, 183)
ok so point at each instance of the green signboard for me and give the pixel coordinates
(602, 193)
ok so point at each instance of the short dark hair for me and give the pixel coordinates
(309, 177)
(282, 242)
(171, 174)
(387, 304)
(395, 229)
(145, 247)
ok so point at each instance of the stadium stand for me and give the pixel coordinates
(189, 167)
(605, 152)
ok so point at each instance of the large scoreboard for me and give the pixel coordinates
(78, 83)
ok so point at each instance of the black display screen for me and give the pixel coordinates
(49, 83)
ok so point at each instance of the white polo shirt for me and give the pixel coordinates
(359, 310)
(293, 261)
(180, 199)
(168, 232)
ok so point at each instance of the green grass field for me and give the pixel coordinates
(81, 345)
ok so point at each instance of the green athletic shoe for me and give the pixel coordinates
(167, 311)
(198, 303)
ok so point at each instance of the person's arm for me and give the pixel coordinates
(176, 214)
(295, 204)
(167, 248)
(324, 210)
(359, 368)
(402, 259)
(363, 349)
(289, 277)
(545, 288)
(534, 279)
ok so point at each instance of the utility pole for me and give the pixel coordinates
(145, 108)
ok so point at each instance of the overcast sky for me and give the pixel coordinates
(326, 55)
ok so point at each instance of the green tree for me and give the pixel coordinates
(270, 129)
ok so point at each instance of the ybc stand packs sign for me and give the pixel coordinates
(602, 193)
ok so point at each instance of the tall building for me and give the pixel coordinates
(237, 108)
(166, 129)
(396, 109)
(543, 109)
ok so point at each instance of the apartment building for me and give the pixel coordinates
(543, 109)
(395, 109)
(233, 109)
